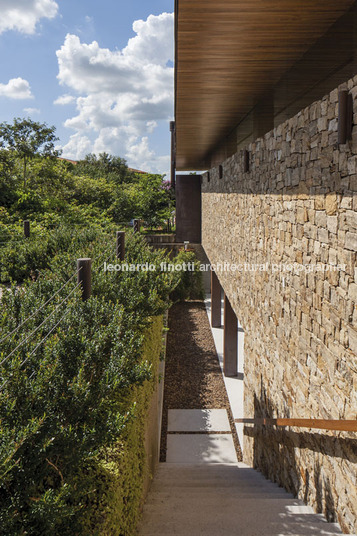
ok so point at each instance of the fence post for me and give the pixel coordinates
(27, 229)
(136, 226)
(84, 277)
(120, 245)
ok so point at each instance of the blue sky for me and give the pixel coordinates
(101, 72)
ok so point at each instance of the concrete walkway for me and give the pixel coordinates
(215, 499)
(201, 490)
(205, 437)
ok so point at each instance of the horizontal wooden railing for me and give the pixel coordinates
(322, 424)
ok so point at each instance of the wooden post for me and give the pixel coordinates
(136, 226)
(230, 341)
(120, 245)
(84, 277)
(27, 229)
(216, 294)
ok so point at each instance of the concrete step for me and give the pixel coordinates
(200, 448)
(163, 238)
(225, 499)
(234, 527)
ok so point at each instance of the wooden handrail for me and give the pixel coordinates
(323, 424)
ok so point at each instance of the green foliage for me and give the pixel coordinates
(26, 257)
(76, 393)
(113, 168)
(124, 206)
(154, 201)
(118, 473)
(34, 184)
(189, 283)
(90, 191)
(28, 203)
(8, 183)
(28, 138)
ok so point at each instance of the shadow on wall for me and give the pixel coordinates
(300, 176)
(279, 455)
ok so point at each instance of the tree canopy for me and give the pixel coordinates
(28, 138)
(114, 168)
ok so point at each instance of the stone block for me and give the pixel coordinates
(351, 241)
(331, 203)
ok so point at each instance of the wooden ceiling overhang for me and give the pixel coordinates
(229, 53)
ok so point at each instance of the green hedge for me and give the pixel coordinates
(118, 474)
(72, 408)
(21, 258)
(65, 400)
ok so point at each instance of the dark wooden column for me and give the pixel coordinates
(216, 296)
(173, 154)
(188, 208)
(230, 341)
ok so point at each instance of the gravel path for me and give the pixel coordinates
(193, 378)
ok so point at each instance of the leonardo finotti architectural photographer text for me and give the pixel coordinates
(295, 268)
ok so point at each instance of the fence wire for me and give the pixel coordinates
(26, 339)
(40, 308)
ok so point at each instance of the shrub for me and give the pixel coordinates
(189, 285)
(67, 397)
(118, 473)
(28, 202)
(23, 258)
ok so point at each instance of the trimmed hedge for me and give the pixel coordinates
(118, 474)
(73, 399)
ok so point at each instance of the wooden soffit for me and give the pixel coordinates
(229, 53)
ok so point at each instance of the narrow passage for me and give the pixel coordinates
(193, 378)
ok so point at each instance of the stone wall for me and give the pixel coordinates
(297, 204)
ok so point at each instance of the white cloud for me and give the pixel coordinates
(23, 15)
(147, 158)
(32, 111)
(64, 99)
(123, 95)
(77, 147)
(16, 88)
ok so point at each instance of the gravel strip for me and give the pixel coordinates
(193, 378)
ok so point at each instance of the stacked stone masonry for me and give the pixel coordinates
(297, 204)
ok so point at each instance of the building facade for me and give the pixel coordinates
(266, 106)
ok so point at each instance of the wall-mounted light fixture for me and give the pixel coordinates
(246, 161)
(345, 116)
(220, 171)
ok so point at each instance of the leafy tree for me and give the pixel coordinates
(154, 200)
(125, 205)
(7, 180)
(27, 139)
(112, 168)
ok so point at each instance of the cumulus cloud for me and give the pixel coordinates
(122, 95)
(32, 111)
(16, 88)
(64, 99)
(23, 15)
(77, 147)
